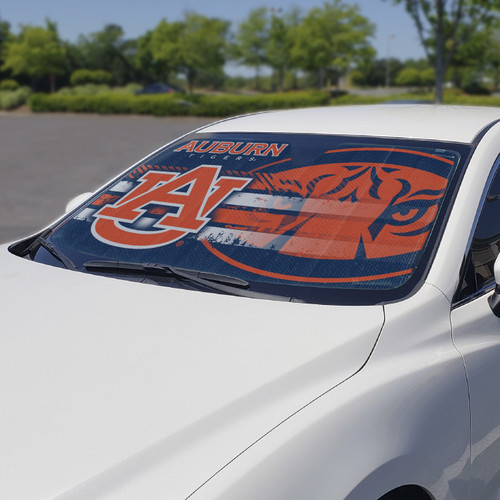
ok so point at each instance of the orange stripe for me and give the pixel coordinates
(421, 153)
(304, 279)
(268, 165)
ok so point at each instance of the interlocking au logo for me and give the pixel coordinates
(193, 195)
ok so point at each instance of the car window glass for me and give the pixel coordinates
(478, 271)
(302, 212)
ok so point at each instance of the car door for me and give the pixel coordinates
(476, 333)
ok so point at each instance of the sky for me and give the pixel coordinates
(395, 34)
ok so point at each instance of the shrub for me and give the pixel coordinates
(96, 89)
(428, 77)
(109, 103)
(130, 88)
(348, 99)
(353, 99)
(472, 100)
(357, 77)
(476, 88)
(87, 89)
(83, 76)
(452, 92)
(408, 77)
(12, 99)
(174, 104)
(9, 84)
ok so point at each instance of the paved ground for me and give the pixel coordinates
(47, 159)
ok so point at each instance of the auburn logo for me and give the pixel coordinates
(189, 198)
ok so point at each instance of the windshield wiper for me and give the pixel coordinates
(54, 251)
(218, 282)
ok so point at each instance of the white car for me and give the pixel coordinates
(293, 305)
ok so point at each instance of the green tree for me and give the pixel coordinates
(202, 46)
(108, 50)
(468, 60)
(408, 77)
(36, 52)
(5, 36)
(445, 26)
(427, 77)
(85, 76)
(330, 38)
(492, 55)
(194, 46)
(279, 46)
(478, 57)
(74, 57)
(251, 41)
(160, 50)
(373, 72)
(414, 77)
(149, 58)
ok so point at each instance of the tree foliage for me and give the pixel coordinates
(36, 52)
(202, 46)
(374, 72)
(5, 36)
(107, 50)
(84, 76)
(330, 38)
(413, 77)
(280, 43)
(287, 48)
(491, 54)
(160, 47)
(150, 61)
(195, 45)
(445, 26)
(251, 41)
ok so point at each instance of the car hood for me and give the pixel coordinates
(112, 388)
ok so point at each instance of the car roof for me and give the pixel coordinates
(416, 121)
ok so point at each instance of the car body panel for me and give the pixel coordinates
(458, 124)
(456, 236)
(476, 332)
(108, 380)
(403, 419)
(125, 390)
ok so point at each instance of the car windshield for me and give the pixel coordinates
(324, 219)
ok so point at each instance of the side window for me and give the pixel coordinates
(478, 271)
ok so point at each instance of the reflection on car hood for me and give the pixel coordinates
(113, 388)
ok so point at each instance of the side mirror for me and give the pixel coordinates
(77, 200)
(494, 300)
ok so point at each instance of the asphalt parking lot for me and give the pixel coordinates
(47, 159)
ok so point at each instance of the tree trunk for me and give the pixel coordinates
(190, 79)
(440, 70)
(321, 77)
(257, 77)
(456, 77)
(440, 66)
(52, 79)
(281, 79)
(495, 77)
